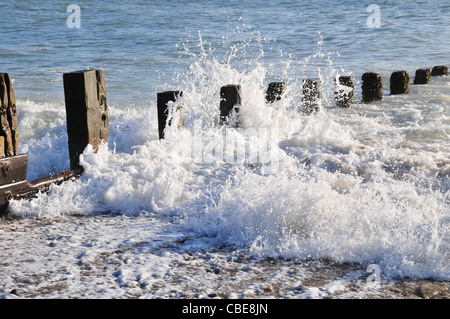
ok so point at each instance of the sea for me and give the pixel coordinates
(273, 203)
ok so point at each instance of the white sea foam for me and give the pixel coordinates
(368, 184)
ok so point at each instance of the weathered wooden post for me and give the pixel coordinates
(439, 70)
(312, 94)
(86, 112)
(13, 167)
(9, 134)
(399, 82)
(423, 76)
(275, 91)
(344, 91)
(372, 87)
(230, 99)
(163, 99)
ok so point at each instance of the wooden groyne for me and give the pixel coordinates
(371, 88)
(88, 121)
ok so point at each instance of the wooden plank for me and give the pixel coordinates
(7, 194)
(2, 147)
(103, 106)
(13, 183)
(12, 114)
(5, 128)
(86, 112)
(13, 174)
(13, 169)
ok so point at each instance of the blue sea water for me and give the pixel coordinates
(138, 44)
(369, 184)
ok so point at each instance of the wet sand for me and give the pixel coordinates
(105, 258)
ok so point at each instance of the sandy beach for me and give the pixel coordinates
(75, 257)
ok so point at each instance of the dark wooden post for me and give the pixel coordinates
(344, 92)
(399, 82)
(439, 70)
(274, 91)
(372, 87)
(9, 134)
(163, 112)
(423, 76)
(230, 98)
(312, 93)
(86, 111)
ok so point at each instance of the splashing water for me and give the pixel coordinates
(368, 184)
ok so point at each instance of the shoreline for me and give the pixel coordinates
(68, 258)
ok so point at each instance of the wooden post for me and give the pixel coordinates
(163, 112)
(230, 98)
(399, 82)
(274, 91)
(344, 92)
(312, 94)
(86, 111)
(439, 70)
(423, 76)
(9, 131)
(372, 87)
